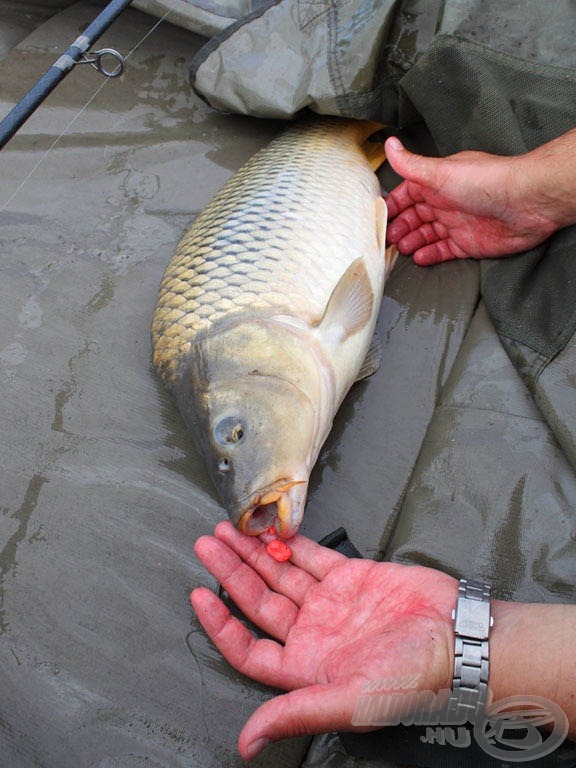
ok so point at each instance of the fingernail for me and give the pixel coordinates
(257, 746)
(394, 143)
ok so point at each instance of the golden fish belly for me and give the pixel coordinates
(275, 240)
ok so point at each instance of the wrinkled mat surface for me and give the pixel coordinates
(447, 456)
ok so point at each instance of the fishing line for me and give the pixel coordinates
(79, 114)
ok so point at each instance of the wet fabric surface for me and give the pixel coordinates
(103, 495)
(205, 17)
(491, 478)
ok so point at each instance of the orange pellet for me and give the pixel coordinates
(279, 551)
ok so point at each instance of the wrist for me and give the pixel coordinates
(545, 182)
(531, 653)
(503, 670)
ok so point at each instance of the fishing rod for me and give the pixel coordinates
(75, 54)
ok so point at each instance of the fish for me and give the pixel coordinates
(267, 309)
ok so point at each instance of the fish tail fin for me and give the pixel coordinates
(365, 134)
(372, 145)
(374, 151)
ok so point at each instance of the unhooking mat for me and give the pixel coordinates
(470, 468)
(496, 480)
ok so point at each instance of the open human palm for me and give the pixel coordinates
(467, 205)
(334, 623)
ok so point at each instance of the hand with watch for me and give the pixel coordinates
(337, 624)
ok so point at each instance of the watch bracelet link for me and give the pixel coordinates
(471, 653)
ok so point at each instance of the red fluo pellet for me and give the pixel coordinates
(279, 550)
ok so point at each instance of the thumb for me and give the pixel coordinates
(315, 709)
(416, 168)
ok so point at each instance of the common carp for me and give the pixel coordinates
(267, 309)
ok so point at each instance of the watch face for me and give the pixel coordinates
(472, 618)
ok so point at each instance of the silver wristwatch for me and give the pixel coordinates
(472, 624)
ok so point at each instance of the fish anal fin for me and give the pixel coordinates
(373, 359)
(351, 303)
(390, 256)
(381, 222)
(391, 253)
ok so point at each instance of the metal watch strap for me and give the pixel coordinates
(472, 625)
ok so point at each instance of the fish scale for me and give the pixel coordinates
(264, 240)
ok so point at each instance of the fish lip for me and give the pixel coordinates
(283, 502)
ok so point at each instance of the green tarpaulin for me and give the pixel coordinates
(459, 453)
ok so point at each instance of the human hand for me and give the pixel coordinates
(467, 205)
(336, 623)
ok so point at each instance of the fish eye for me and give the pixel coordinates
(229, 431)
(224, 465)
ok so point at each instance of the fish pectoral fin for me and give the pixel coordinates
(373, 358)
(350, 306)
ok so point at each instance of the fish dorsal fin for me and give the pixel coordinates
(350, 306)
(373, 358)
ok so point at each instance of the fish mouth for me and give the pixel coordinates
(281, 506)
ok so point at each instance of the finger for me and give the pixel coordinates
(397, 229)
(412, 167)
(285, 578)
(308, 559)
(273, 613)
(426, 234)
(317, 560)
(425, 212)
(443, 250)
(259, 659)
(315, 709)
(402, 197)
(406, 223)
(410, 219)
(392, 205)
